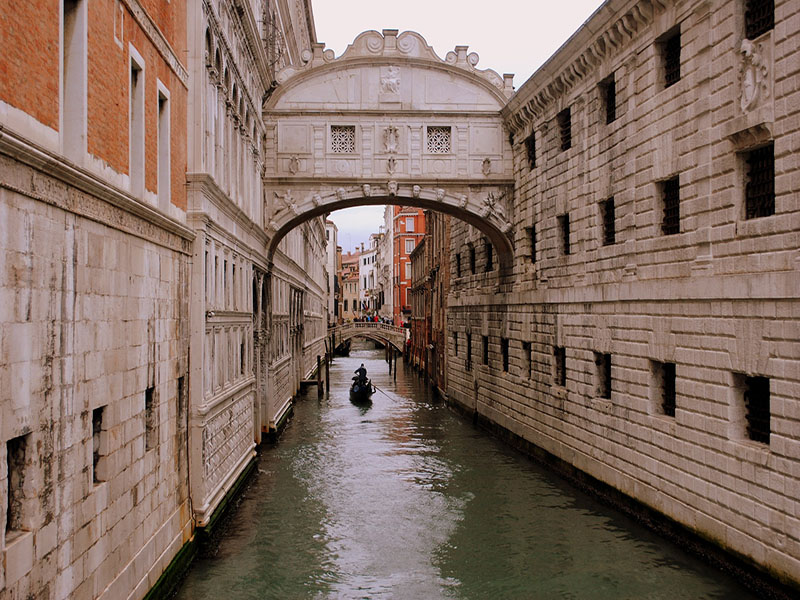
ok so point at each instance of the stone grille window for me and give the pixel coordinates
(489, 256)
(560, 364)
(565, 128)
(665, 372)
(609, 222)
(759, 188)
(439, 140)
(759, 17)
(150, 419)
(486, 349)
(530, 149)
(603, 363)
(609, 92)
(468, 363)
(504, 351)
(343, 139)
(756, 401)
(563, 226)
(671, 219)
(672, 59)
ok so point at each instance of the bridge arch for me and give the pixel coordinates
(381, 332)
(389, 122)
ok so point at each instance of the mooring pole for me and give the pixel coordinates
(327, 376)
(395, 364)
(319, 376)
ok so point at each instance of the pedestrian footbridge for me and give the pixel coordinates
(381, 332)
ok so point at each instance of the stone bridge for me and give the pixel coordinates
(381, 332)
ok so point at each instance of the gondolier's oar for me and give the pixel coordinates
(381, 391)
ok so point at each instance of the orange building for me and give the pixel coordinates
(408, 229)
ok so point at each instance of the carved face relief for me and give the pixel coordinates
(366, 190)
(415, 191)
(440, 194)
(392, 185)
(462, 201)
(316, 199)
(340, 193)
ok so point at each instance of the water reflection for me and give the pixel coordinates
(403, 499)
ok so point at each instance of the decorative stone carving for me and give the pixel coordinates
(390, 82)
(294, 165)
(392, 185)
(390, 139)
(391, 165)
(462, 201)
(415, 191)
(753, 74)
(486, 166)
(440, 194)
(316, 199)
(494, 209)
(366, 190)
(340, 193)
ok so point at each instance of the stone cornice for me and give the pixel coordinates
(158, 40)
(603, 35)
(148, 223)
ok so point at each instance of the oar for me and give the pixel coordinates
(382, 392)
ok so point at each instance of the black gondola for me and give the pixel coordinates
(361, 391)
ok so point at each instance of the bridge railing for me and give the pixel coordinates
(398, 334)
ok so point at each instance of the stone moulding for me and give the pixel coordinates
(562, 73)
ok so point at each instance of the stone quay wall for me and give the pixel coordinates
(653, 341)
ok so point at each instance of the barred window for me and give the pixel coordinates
(560, 366)
(603, 363)
(759, 17)
(608, 89)
(759, 188)
(343, 139)
(563, 225)
(609, 222)
(672, 59)
(439, 140)
(671, 219)
(565, 128)
(530, 149)
(756, 401)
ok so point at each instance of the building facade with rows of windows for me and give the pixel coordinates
(647, 334)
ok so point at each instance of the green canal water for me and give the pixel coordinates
(406, 499)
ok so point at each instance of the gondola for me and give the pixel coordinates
(361, 392)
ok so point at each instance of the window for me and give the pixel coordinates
(18, 458)
(530, 149)
(671, 51)
(759, 189)
(609, 227)
(343, 139)
(345, 305)
(759, 17)
(439, 140)
(565, 128)
(756, 406)
(472, 259)
(409, 246)
(671, 213)
(455, 344)
(489, 256)
(164, 178)
(74, 73)
(458, 265)
(532, 241)
(98, 452)
(410, 224)
(180, 398)
(560, 365)
(527, 359)
(486, 349)
(150, 420)
(608, 93)
(468, 363)
(664, 374)
(328, 235)
(136, 125)
(563, 226)
(603, 364)
(504, 351)
(408, 270)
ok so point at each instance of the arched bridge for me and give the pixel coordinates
(381, 332)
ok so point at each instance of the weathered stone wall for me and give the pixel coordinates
(718, 298)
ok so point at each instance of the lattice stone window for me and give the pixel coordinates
(759, 190)
(759, 17)
(343, 139)
(439, 140)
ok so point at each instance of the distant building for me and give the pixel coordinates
(331, 238)
(351, 296)
(408, 225)
(384, 266)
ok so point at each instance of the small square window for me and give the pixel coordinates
(560, 365)
(504, 351)
(609, 222)
(343, 139)
(671, 49)
(603, 363)
(759, 189)
(608, 92)
(530, 149)
(759, 17)
(671, 209)
(439, 140)
(563, 226)
(565, 128)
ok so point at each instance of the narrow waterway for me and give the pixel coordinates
(405, 499)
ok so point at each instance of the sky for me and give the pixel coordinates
(510, 36)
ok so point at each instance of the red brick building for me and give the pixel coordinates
(408, 229)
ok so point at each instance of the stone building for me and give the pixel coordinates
(647, 333)
(333, 253)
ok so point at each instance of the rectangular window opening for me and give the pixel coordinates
(136, 127)
(671, 213)
(532, 241)
(527, 359)
(563, 226)
(609, 222)
(150, 419)
(489, 256)
(472, 259)
(757, 407)
(504, 351)
(486, 349)
(759, 190)
(560, 365)
(438, 140)
(665, 381)
(530, 149)
(603, 363)
(565, 128)
(97, 442)
(759, 17)
(609, 93)
(164, 179)
(74, 76)
(455, 344)
(468, 363)
(671, 49)
(458, 265)
(17, 460)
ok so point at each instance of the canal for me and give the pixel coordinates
(406, 499)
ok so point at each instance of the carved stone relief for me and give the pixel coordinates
(390, 139)
(390, 81)
(753, 75)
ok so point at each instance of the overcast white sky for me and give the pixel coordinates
(510, 36)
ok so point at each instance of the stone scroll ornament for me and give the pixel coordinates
(753, 73)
